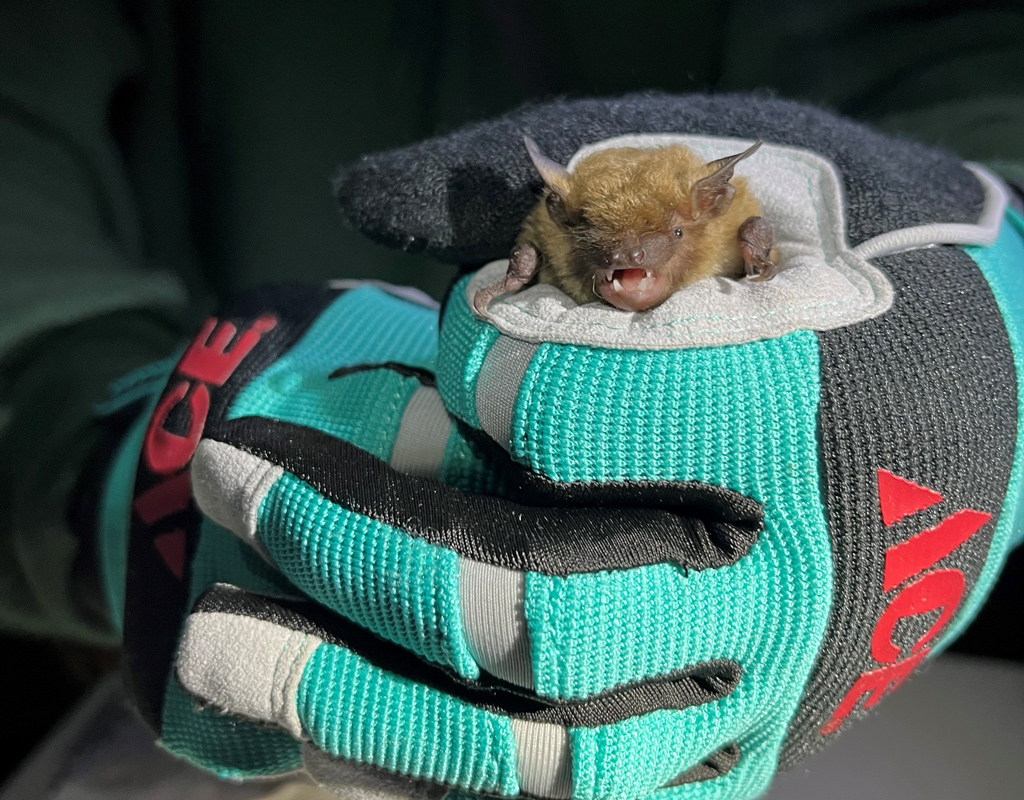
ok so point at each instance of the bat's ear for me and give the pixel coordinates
(554, 175)
(556, 178)
(712, 196)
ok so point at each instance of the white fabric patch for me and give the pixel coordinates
(822, 283)
(422, 435)
(247, 666)
(543, 758)
(351, 781)
(494, 621)
(229, 484)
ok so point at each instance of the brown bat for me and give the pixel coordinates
(629, 226)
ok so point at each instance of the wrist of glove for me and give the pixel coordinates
(520, 557)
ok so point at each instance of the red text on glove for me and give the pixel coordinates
(208, 361)
(925, 590)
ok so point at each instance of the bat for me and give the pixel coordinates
(629, 226)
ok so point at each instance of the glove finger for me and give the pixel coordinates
(440, 572)
(401, 588)
(275, 663)
(294, 665)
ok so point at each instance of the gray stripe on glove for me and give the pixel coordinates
(497, 386)
(422, 435)
(543, 758)
(494, 620)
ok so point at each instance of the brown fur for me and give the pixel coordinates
(626, 191)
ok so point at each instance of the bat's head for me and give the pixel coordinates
(636, 219)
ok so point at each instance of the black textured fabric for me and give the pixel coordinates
(463, 196)
(155, 602)
(928, 392)
(702, 683)
(545, 526)
(719, 763)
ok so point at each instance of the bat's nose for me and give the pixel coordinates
(628, 258)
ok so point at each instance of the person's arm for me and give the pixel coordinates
(78, 306)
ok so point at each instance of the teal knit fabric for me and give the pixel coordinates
(579, 416)
(298, 388)
(634, 757)
(743, 417)
(1001, 266)
(354, 710)
(114, 515)
(230, 747)
(464, 341)
(382, 578)
(145, 385)
(394, 584)
(222, 557)
(336, 406)
(465, 467)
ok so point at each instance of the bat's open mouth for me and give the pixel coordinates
(631, 289)
(630, 280)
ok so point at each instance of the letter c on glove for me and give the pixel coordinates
(167, 452)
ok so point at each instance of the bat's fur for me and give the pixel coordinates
(625, 191)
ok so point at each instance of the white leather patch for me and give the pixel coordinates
(822, 283)
(229, 485)
(244, 665)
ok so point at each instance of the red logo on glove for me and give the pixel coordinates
(936, 590)
(208, 361)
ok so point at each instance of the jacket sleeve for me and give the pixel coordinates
(78, 305)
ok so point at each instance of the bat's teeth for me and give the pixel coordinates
(647, 274)
(617, 285)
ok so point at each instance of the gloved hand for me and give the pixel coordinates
(576, 566)
(350, 577)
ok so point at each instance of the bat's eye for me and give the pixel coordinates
(678, 232)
